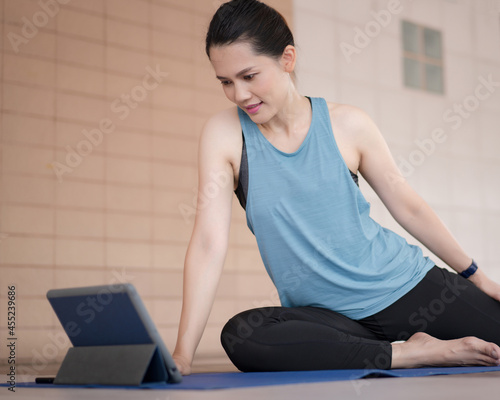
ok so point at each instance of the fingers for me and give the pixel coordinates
(183, 366)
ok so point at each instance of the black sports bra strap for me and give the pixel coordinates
(242, 189)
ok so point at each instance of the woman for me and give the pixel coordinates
(348, 287)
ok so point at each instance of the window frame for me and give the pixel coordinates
(422, 58)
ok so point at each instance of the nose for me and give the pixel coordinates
(241, 93)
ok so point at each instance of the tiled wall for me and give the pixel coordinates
(458, 176)
(71, 67)
(102, 102)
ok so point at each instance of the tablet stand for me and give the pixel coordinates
(121, 365)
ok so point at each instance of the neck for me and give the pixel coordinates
(294, 116)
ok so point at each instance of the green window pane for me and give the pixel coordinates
(434, 78)
(412, 73)
(410, 37)
(432, 43)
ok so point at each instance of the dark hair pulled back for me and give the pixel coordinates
(250, 21)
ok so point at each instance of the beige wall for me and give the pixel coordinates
(113, 213)
(117, 214)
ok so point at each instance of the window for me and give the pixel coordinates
(422, 58)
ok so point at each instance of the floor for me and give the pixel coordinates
(456, 387)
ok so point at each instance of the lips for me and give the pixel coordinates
(252, 109)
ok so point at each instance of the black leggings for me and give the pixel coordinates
(443, 304)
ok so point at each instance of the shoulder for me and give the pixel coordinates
(349, 117)
(221, 138)
(223, 129)
(222, 124)
(353, 125)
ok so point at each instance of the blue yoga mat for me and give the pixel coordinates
(240, 380)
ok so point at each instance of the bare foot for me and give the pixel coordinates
(423, 350)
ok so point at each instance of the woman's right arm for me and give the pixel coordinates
(208, 245)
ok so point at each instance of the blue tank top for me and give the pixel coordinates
(313, 229)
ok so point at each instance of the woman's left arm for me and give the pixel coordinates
(409, 209)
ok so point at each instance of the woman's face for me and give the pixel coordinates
(258, 84)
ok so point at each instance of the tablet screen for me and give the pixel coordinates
(90, 322)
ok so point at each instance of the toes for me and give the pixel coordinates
(482, 352)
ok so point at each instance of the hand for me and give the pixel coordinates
(183, 365)
(488, 286)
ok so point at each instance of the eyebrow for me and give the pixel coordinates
(242, 72)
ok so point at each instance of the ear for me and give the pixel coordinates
(289, 58)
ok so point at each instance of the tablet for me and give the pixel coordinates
(108, 315)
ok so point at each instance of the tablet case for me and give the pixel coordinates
(131, 365)
(115, 341)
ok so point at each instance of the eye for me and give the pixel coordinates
(249, 77)
(225, 83)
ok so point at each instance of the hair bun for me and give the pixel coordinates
(252, 21)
